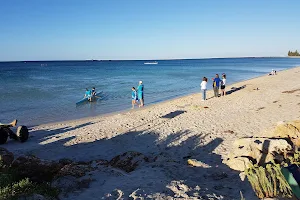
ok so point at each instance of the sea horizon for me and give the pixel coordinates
(163, 59)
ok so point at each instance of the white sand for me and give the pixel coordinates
(192, 131)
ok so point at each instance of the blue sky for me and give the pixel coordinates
(140, 29)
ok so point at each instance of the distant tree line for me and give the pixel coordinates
(295, 53)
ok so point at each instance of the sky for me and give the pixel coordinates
(141, 29)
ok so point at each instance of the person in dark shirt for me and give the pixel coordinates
(216, 85)
(94, 91)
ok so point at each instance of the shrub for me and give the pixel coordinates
(12, 186)
(268, 181)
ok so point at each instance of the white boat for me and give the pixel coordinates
(150, 63)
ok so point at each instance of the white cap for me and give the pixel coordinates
(141, 82)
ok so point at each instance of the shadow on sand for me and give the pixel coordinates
(167, 173)
(234, 89)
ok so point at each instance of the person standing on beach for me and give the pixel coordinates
(133, 97)
(140, 93)
(223, 83)
(203, 88)
(216, 85)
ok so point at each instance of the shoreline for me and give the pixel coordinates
(122, 112)
(168, 134)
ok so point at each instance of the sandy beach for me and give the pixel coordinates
(169, 133)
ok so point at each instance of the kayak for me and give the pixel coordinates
(86, 99)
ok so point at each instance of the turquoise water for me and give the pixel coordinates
(43, 92)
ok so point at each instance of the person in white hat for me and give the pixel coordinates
(140, 93)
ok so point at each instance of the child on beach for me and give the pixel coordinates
(88, 94)
(203, 88)
(133, 97)
(223, 83)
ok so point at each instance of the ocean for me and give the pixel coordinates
(47, 91)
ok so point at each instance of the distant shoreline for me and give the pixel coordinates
(107, 60)
(293, 56)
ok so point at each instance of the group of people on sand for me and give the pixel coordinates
(217, 84)
(273, 72)
(90, 93)
(137, 95)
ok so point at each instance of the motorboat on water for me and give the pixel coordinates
(151, 63)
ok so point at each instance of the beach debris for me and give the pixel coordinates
(260, 108)
(197, 107)
(179, 189)
(197, 163)
(116, 194)
(6, 157)
(229, 131)
(65, 184)
(128, 161)
(43, 170)
(74, 169)
(65, 174)
(136, 194)
(291, 91)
